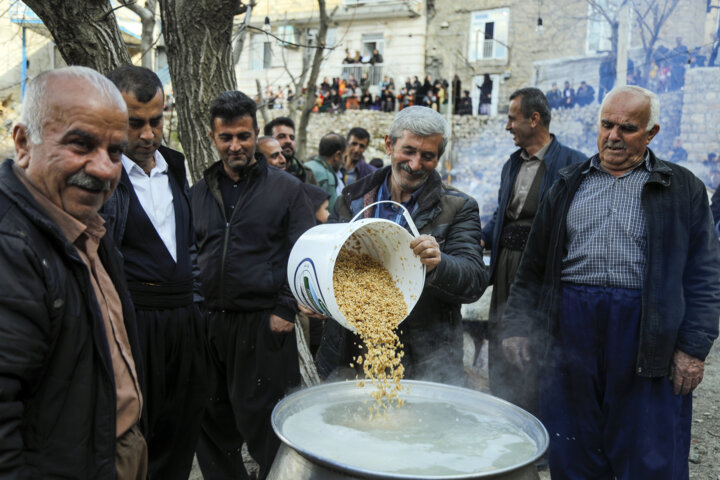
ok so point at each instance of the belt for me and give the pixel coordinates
(161, 295)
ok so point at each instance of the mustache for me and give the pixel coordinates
(88, 182)
(618, 144)
(415, 173)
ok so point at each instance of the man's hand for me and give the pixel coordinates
(427, 248)
(309, 313)
(517, 351)
(686, 372)
(278, 325)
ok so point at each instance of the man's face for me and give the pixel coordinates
(77, 166)
(273, 152)
(622, 138)
(145, 123)
(235, 141)
(413, 159)
(520, 127)
(286, 136)
(356, 148)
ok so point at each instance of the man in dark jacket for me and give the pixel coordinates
(70, 373)
(282, 129)
(449, 224)
(149, 218)
(355, 167)
(524, 181)
(247, 217)
(619, 284)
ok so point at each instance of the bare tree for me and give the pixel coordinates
(651, 15)
(198, 36)
(311, 88)
(147, 22)
(85, 32)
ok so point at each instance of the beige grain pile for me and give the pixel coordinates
(372, 303)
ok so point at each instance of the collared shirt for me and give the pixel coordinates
(86, 239)
(390, 211)
(340, 183)
(606, 229)
(524, 180)
(156, 198)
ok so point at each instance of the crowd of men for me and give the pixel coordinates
(144, 321)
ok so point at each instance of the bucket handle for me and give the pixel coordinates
(406, 215)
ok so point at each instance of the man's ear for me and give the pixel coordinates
(653, 131)
(22, 145)
(388, 145)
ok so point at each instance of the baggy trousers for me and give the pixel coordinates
(604, 420)
(252, 368)
(174, 350)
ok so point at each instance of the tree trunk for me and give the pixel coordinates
(147, 22)
(198, 36)
(311, 88)
(85, 32)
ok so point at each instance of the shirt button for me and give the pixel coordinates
(232, 206)
(235, 186)
(614, 210)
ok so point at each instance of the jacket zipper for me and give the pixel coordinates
(226, 240)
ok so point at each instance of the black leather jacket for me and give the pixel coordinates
(432, 333)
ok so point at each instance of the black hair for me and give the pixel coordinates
(231, 105)
(330, 144)
(359, 133)
(140, 81)
(286, 121)
(533, 100)
(377, 162)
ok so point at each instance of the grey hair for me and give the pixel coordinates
(634, 89)
(36, 104)
(421, 121)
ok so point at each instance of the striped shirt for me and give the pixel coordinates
(606, 231)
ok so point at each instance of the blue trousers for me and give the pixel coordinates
(605, 421)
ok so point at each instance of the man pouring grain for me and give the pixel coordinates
(448, 246)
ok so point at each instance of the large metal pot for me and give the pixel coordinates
(295, 461)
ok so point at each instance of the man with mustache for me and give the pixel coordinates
(282, 129)
(618, 290)
(354, 165)
(70, 369)
(247, 217)
(150, 221)
(525, 179)
(449, 223)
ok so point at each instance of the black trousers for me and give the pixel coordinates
(174, 351)
(252, 368)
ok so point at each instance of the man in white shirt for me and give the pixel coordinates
(149, 217)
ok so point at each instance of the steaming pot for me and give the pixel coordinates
(296, 461)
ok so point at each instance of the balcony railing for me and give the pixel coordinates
(374, 72)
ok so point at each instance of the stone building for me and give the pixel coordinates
(396, 28)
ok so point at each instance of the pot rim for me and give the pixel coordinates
(541, 437)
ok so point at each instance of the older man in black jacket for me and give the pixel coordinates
(619, 290)
(70, 373)
(449, 224)
(247, 217)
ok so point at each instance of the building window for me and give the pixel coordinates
(488, 34)
(260, 52)
(599, 31)
(371, 41)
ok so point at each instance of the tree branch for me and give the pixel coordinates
(285, 42)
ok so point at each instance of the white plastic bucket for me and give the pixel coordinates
(312, 260)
